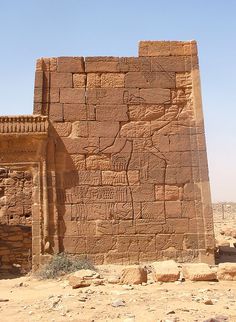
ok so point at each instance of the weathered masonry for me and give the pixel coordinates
(112, 165)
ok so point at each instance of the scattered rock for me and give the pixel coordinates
(217, 319)
(227, 271)
(170, 312)
(113, 280)
(84, 277)
(208, 302)
(118, 302)
(133, 275)
(4, 300)
(127, 287)
(199, 272)
(166, 271)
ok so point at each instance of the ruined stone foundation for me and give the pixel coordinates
(117, 158)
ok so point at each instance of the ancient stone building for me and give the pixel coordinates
(112, 164)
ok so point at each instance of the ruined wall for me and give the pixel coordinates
(22, 201)
(15, 220)
(128, 157)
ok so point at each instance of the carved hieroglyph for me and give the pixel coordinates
(127, 176)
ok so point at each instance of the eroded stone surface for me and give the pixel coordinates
(122, 170)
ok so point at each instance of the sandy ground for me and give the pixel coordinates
(29, 299)
(54, 300)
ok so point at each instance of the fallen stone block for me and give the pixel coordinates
(133, 275)
(227, 271)
(165, 271)
(84, 277)
(199, 272)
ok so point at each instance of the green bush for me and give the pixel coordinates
(62, 264)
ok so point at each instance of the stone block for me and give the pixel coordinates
(101, 64)
(154, 211)
(56, 112)
(198, 272)
(183, 80)
(70, 64)
(111, 113)
(74, 112)
(165, 271)
(63, 129)
(101, 244)
(136, 243)
(133, 275)
(80, 129)
(118, 96)
(93, 80)
(79, 80)
(167, 48)
(173, 209)
(103, 129)
(171, 64)
(112, 80)
(165, 241)
(98, 162)
(136, 129)
(155, 95)
(115, 178)
(134, 64)
(81, 145)
(72, 95)
(61, 80)
(146, 112)
(133, 177)
(142, 193)
(150, 80)
(227, 271)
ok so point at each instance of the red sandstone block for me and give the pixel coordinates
(46, 64)
(51, 95)
(134, 64)
(153, 210)
(189, 209)
(70, 64)
(164, 241)
(77, 228)
(176, 225)
(56, 112)
(103, 96)
(146, 225)
(179, 175)
(46, 95)
(72, 95)
(101, 64)
(61, 80)
(111, 113)
(73, 245)
(173, 209)
(103, 129)
(75, 112)
(101, 244)
(63, 129)
(150, 80)
(180, 142)
(172, 64)
(167, 48)
(142, 193)
(38, 80)
(155, 95)
(38, 95)
(136, 243)
(81, 145)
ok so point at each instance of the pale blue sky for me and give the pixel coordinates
(30, 29)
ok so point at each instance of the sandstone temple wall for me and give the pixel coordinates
(122, 170)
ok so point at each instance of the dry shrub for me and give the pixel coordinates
(62, 264)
